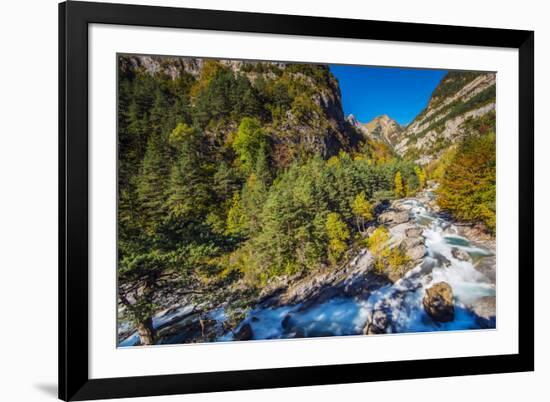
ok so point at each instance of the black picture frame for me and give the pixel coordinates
(74, 381)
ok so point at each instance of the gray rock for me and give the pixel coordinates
(416, 253)
(460, 254)
(485, 310)
(442, 260)
(439, 302)
(394, 217)
(413, 247)
(487, 266)
(414, 231)
(244, 334)
(411, 242)
(376, 324)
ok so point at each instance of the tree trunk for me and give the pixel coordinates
(146, 331)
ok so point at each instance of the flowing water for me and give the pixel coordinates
(401, 301)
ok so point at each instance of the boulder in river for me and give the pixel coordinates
(439, 302)
(244, 333)
(485, 310)
(413, 231)
(377, 323)
(413, 247)
(416, 253)
(460, 254)
(394, 217)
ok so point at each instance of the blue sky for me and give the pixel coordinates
(400, 93)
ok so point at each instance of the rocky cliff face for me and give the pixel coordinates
(381, 128)
(304, 99)
(459, 101)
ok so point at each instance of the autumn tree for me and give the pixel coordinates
(338, 234)
(398, 185)
(468, 186)
(363, 211)
(421, 175)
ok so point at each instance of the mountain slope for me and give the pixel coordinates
(381, 128)
(460, 101)
(299, 105)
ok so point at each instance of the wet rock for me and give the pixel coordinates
(244, 334)
(442, 261)
(413, 247)
(416, 253)
(460, 254)
(377, 323)
(487, 267)
(438, 302)
(485, 310)
(286, 321)
(414, 231)
(394, 217)
(411, 242)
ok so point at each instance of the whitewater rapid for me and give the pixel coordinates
(400, 301)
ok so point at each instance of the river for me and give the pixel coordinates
(400, 302)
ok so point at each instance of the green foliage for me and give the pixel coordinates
(226, 96)
(189, 192)
(452, 83)
(219, 180)
(250, 143)
(453, 110)
(468, 186)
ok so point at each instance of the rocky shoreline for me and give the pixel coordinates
(355, 278)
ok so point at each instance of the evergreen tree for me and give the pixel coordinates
(250, 143)
(151, 186)
(189, 193)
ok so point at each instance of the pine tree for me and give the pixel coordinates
(249, 142)
(151, 185)
(236, 218)
(189, 193)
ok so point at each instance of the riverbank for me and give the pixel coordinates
(448, 283)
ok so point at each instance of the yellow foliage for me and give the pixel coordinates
(421, 174)
(361, 207)
(378, 240)
(398, 182)
(333, 161)
(384, 256)
(236, 219)
(179, 134)
(338, 233)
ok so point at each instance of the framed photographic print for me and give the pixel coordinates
(256, 200)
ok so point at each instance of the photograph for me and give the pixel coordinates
(273, 200)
